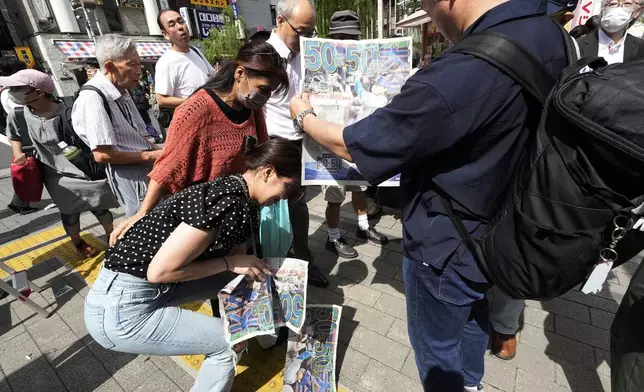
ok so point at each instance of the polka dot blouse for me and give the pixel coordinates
(222, 203)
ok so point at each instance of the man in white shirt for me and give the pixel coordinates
(611, 41)
(295, 19)
(182, 69)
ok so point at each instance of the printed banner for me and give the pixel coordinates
(207, 20)
(349, 80)
(210, 3)
(585, 9)
(311, 355)
(251, 308)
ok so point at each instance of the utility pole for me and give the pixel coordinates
(380, 21)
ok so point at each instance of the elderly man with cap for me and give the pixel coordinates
(345, 25)
(68, 186)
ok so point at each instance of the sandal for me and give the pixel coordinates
(22, 210)
(317, 278)
(85, 250)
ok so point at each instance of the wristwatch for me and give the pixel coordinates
(298, 121)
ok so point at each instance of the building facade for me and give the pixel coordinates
(57, 36)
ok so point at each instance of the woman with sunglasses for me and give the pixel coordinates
(183, 251)
(205, 135)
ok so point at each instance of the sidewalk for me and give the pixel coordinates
(563, 345)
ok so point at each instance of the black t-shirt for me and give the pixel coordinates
(222, 203)
(235, 116)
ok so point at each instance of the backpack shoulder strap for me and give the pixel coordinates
(202, 57)
(100, 93)
(512, 58)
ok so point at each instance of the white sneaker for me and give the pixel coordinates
(474, 389)
(267, 341)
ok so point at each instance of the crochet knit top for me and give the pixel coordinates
(204, 144)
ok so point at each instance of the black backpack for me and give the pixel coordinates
(581, 175)
(65, 131)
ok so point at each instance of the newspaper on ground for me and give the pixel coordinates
(348, 80)
(250, 308)
(311, 354)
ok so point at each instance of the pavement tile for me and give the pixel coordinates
(80, 370)
(585, 333)
(368, 317)
(350, 363)
(601, 319)
(29, 316)
(538, 318)
(17, 358)
(367, 249)
(317, 295)
(528, 382)
(535, 361)
(399, 333)
(61, 348)
(185, 383)
(109, 386)
(392, 305)
(382, 378)
(563, 307)
(350, 385)
(36, 376)
(10, 325)
(578, 378)
(591, 300)
(48, 329)
(135, 372)
(498, 373)
(557, 346)
(602, 361)
(386, 285)
(409, 368)
(72, 313)
(351, 290)
(379, 347)
(157, 382)
(354, 270)
(170, 368)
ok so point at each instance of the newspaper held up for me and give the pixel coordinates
(349, 80)
(311, 355)
(250, 308)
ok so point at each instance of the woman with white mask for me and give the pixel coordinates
(611, 41)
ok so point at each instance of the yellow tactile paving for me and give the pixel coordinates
(261, 371)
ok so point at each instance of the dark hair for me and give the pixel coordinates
(258, 59)
(260, 36)
(9, 65)
(159, 18)
(579, 31)
(593, 23)
(282, 154)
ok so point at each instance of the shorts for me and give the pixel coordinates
(337, 193)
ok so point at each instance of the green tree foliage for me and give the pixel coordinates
(366, 10)
(224, 43)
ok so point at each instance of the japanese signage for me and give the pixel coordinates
(585, 9)
(24, 54)
(210, 3)
(207, 20)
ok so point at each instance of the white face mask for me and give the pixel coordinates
(616, 19)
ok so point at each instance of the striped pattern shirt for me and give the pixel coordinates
(125, 131)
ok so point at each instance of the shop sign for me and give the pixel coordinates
(210, 3)
(208, 20)
(24, 55)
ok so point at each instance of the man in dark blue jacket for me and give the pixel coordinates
(458, 125)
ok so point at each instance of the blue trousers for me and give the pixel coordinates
(448, 326)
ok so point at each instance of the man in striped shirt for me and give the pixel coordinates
(118, 138)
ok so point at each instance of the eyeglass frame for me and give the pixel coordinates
(634, 5)
(297, 32)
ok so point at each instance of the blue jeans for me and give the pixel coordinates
(448, 326)
(129, 314)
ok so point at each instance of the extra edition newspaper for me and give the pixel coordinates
(251, 308)
(311, 354)
(349, 80)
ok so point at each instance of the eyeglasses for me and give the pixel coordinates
(630, 4)
(299, 33)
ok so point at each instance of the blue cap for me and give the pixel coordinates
(555, 6)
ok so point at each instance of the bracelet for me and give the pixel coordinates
(226, 261)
